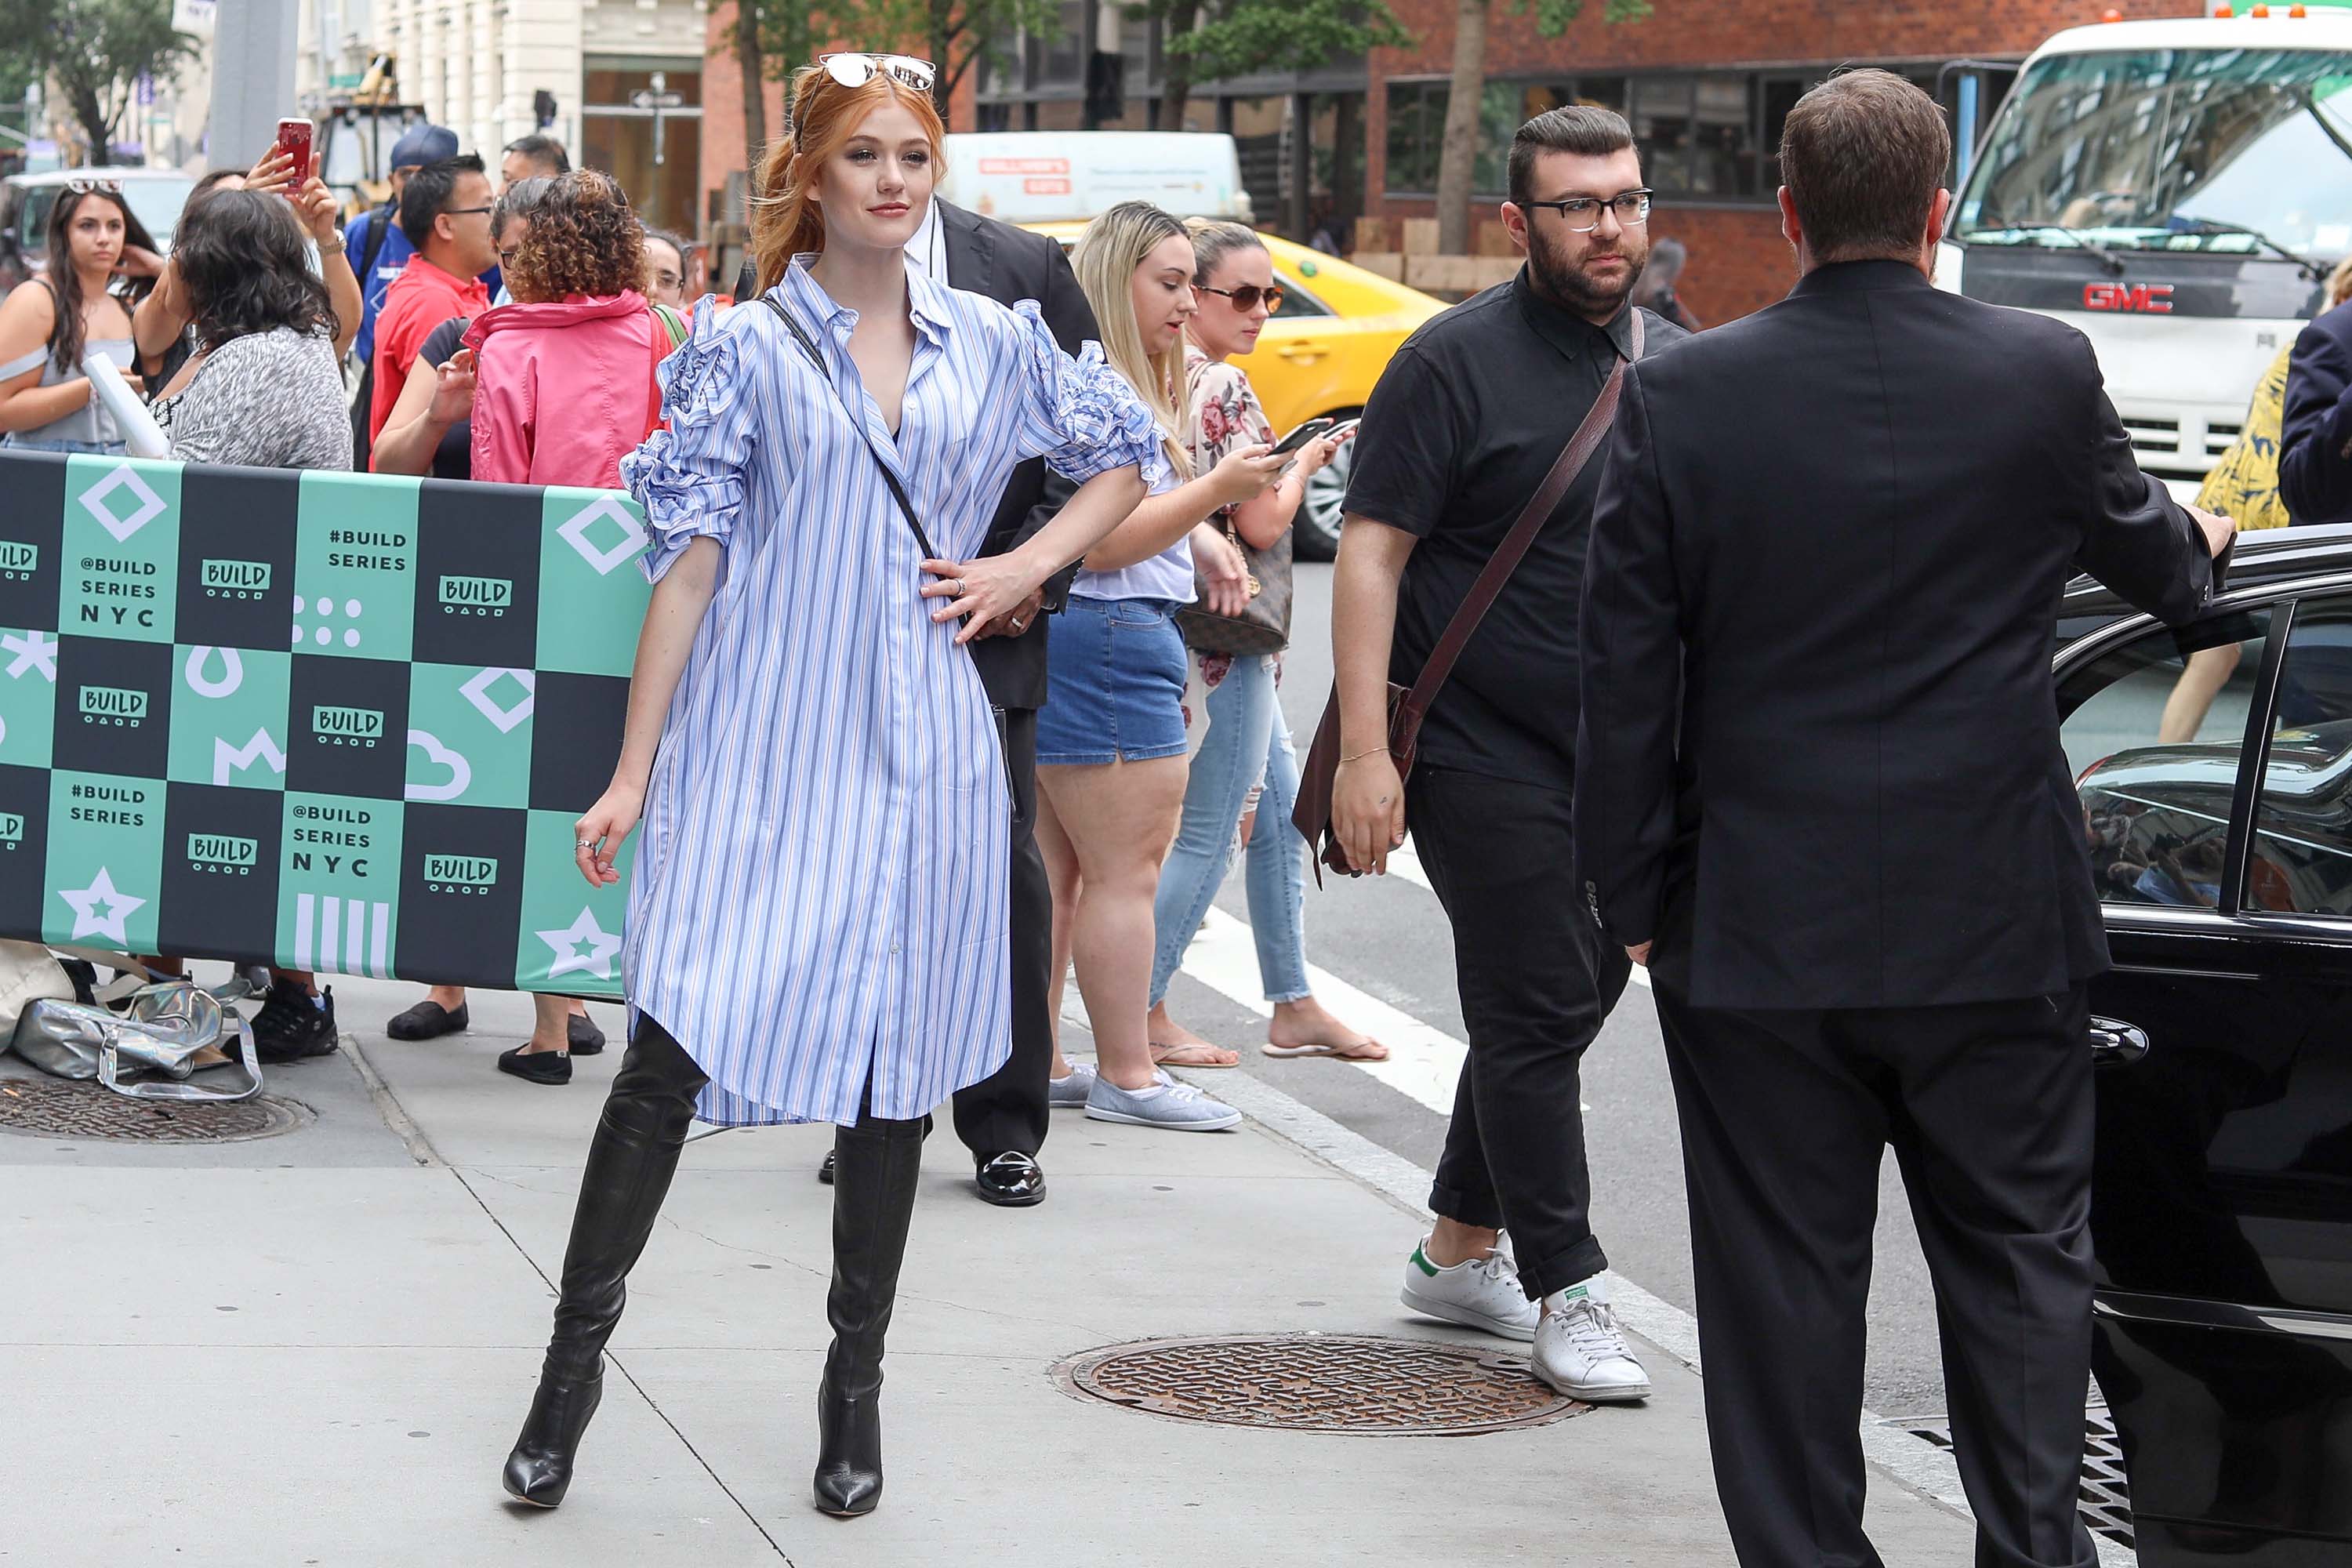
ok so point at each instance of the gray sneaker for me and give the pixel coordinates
(1178, 1107)
(1070, 1093)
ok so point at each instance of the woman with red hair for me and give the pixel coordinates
(818, 908)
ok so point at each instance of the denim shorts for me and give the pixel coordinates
(1116, 670)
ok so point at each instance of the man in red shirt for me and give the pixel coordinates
(444, 210)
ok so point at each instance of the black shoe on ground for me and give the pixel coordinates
(428, 1021)
(824, 1172)
(539, 1067)
(582, 1036)
(1011, 1180)
(292, 1026)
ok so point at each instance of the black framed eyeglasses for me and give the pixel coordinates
(1246, 296)
(1582, 214)
(467, 212)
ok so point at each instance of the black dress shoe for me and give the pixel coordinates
(582, 1036)
(824, 1172)
(539, 1067)
(427, 1021)
(1011, 1180)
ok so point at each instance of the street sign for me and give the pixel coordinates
(645, 97)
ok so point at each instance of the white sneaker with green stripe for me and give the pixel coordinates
(1484, 1293)
(1579, 1351)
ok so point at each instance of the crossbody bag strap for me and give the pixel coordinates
(889, 476)
(1506, 559)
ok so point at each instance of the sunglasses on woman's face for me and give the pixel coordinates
(853, 69)
(1246, 296)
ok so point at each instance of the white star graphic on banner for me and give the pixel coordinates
(88, 921)
(34, 650)
(602, 945)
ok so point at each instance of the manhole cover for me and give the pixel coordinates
(1321, 1382)
(2104, 1495)
(48, 1109)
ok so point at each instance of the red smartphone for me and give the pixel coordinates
(294, 141)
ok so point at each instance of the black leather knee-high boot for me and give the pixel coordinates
(876, 1167)
(628, 1173)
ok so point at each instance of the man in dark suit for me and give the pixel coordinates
(1819, 790)
(2315, 454)
(1002, 1119)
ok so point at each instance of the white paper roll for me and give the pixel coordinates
(144, 437)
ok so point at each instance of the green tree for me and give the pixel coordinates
(771, 39)
(1458, 154)
(1209, 40)
(96, 51)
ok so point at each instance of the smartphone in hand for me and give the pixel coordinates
(1307, 431)
(294, 142)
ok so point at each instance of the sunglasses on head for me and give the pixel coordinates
(854, 70)
(1246, 296)
(85, 188)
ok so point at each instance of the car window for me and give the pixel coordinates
(2301, 861)
(2154, 731)
(1297, 301)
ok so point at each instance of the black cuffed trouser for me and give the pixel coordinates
(1537, 981)
(1785, 1116)
(1008, 1109)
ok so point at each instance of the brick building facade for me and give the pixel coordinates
(1704, 82)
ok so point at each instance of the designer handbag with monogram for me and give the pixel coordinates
(1318, 777)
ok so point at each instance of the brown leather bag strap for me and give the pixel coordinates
(1506, 557)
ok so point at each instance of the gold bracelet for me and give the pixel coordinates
(1362, 755)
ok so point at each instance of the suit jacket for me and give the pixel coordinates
(1819, 611)
(2315, 462)
(1009, 264)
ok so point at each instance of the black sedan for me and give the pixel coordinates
(2214, 765)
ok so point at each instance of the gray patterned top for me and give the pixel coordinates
(268, 400)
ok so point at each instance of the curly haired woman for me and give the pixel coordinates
(578, 328)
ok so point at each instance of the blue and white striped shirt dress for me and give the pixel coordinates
(821, 895)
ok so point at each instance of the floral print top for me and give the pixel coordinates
(1221, 415)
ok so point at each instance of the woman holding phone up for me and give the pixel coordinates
(1245, 769)
(817, 924)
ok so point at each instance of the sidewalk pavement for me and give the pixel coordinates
(315, 1349)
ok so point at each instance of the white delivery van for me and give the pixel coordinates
(1044, 176)
(2179, 190)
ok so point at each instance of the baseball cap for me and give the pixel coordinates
(423, 144)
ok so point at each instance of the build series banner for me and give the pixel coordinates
(329, 721)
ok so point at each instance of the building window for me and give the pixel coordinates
(1707, 136)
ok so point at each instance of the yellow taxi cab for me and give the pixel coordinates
(1319, 355)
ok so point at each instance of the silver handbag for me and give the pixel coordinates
(148, 1051)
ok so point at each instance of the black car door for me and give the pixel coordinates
(2215, 771)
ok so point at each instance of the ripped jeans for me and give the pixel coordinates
(1247, 744)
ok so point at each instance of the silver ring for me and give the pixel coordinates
(1016, 624)
(584, 844)
(959, 582)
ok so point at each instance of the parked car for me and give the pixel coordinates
(156, 196)
(1320, 354)
(2222, 1211)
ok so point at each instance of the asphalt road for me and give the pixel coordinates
(1389, 940)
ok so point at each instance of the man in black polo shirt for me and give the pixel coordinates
(1462, 429)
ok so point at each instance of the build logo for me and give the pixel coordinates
(18, 561)
(235, 579)
(467, 875)
(346, 726)
(222, 854)
(118, 706)
(476, 596)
